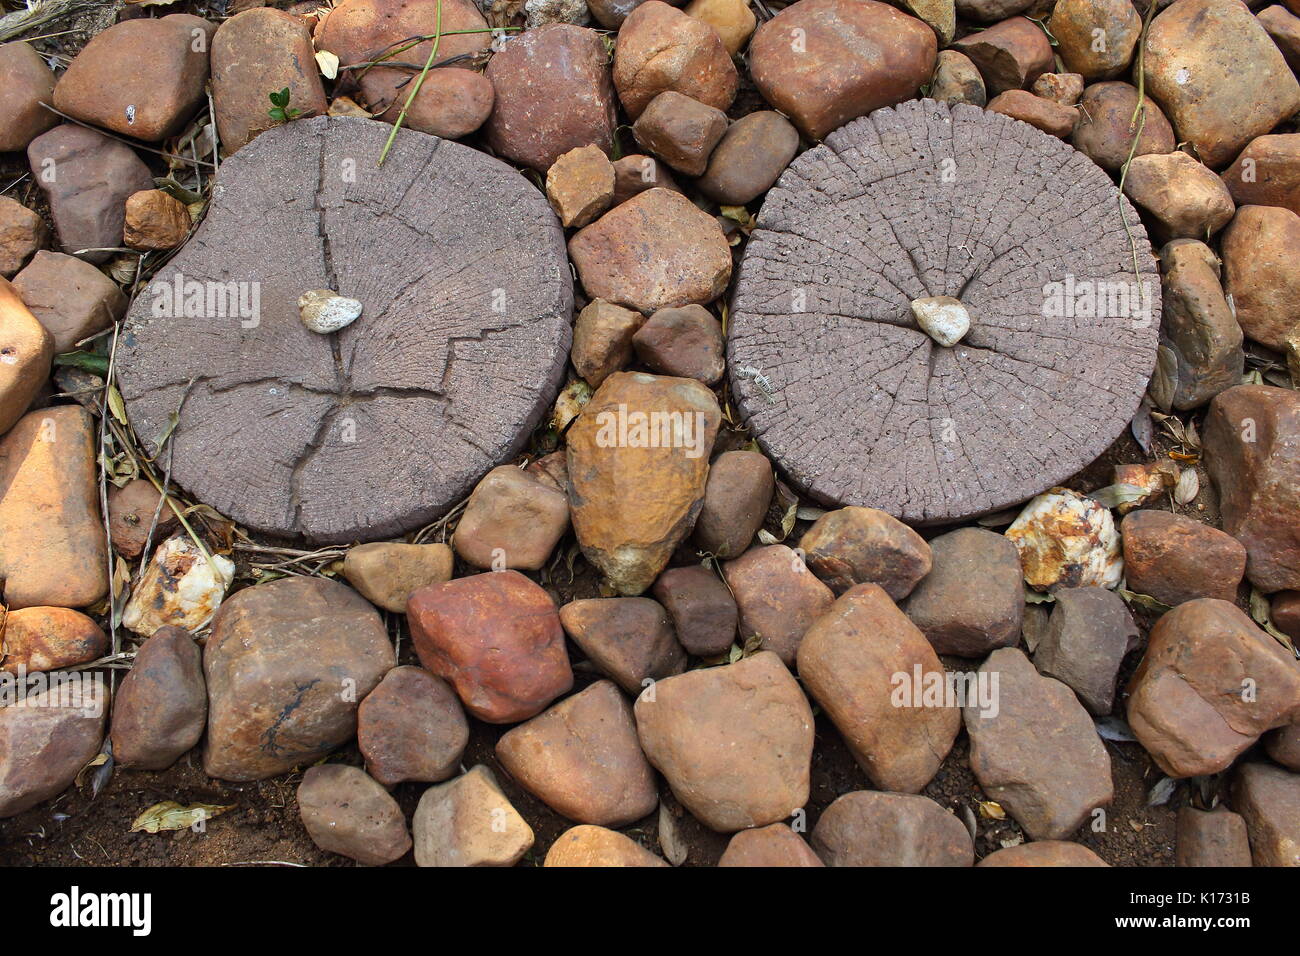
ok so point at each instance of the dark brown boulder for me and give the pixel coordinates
(1175, 559)
(736, 497)
(703, 610)
(867, 828)
(162, 705)
(629, 639)
(411, 727)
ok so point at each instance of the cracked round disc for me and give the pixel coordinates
(371, 431)
(854, 401)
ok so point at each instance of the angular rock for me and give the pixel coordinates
(851, 57)
(654, 251)
(1283, 745)
(1105, 129)
(554, 93)
(46, 739)
(22, 233)
(1267, 173)
(497, 638)
(733, 20)
(685, 341)
(286, 664)
(26, 350)
(680, 131)
(87, 178)
(181, 585)
(551, 470)
(469, 822)
(29, 82)
(1261, 271)
(71, 298)
(155, 220)
(1176, 559)
(580, 186)
(1090, 632)
(49, 639)
(972, 600)
(628, 639)
(777, 596)
(660, 48)
(52, 546)
(1067, 540)
(1063, 88)
(1250, 436)
(850, 661)
(736, 497)
(1184, 197)
(1269, 799)
(512, 520)
(411, 727)
(957, 80)
(1217, 76)
(158, 95)
(749, 159)
(734, 742)
(602, 340)
(1039, 755)
(867, 828)
(582, 759)
(1095, 38)
(1211, 838)
(1048, 115)
(1010, 55)
(650, 432)
(703, 611)
(855, 545)
(1044, 853)
(388, 572)
(596, 846)
(636, 173)
(773, 845)
(1283, 29)
(162, 704)
(452, 103)
(346, 812)
(355, 30)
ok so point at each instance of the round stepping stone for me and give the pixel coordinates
(368, 432)
(849, 395)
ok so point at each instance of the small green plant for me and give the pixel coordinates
(280, 110)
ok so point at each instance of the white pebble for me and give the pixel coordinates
(942, 317)
(325, 311)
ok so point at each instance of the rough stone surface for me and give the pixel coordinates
(452, 103)
(773, 845)
(1095, 38)
(345, 811)
(1184, 197)
(972, 600)
(1038, 111)
(1043, 853)
(851, 546)
(680, 131)
(49, 638)
(752, 154)
(957, 80)
(1105, 127)
(736, 498)
(286, 664)
(635, 173)
(1176, 559)
(703, 611)
(22, 233)
(26, 350)
(28, 83)
(660, 48)
(628, 639)
(512, 520)
(596, 846)
(355, 30)
(733, 20)
(1211, 838)
(848, 660)
(602, 340)
(1010, 55)
(469, 822)
(1063, 88)
(1283, 29)
(852, 233)
(1267, 172)
(1261, 271)
(497, 638)
(387, 572)
(685, 341)
(71, 298)
(580, 186)
(777, 596)
(866, 828)
(45, 742)
(411, 727)
(317, 430)
(155, 221)
(162, 704)
(1090, 632)
(1039, 756)
(734, 742)
(1269, 799)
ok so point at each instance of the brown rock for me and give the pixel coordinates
(1286, 612)
(131, 511)
(582, 759)
(988, 11)
(736, 497)
(1176, 559)
(1063, 88)
(452, 103)
(1105, 128)
(1010, 55)
(580, 186)
(1095, 38)
(158, 95)
(1261, 271)
(748, 160)
(1218, 76)
(602, 340)
(551, 470)
(52, 546)
(680, 131)
(512, 520)
(703, 611)
(774, 845)
(660, 48)
(1211, 838)
(655, 251)
(71, 298)
(597, 846)
(854, 545)
(1269, 798)
(346, 812)
(155, 220)
(355, 30)
(1037, 754)
(553, 94)
(48, 639)
(972, 600)
(684, 341)
(46, 740)
(1283, 29)
(29, 82)
(162, 705)
(286, 664)
(256, 53)
(1044, 853)
(866, 828)
(733, 20)
(26, 351)
(628, 639)
(855, 56)
(497, 638)
(734, 742)
(22, 232)
(777, 596)
(1267, 173)
(636, 173)
(1185, 198)
(469, 822)
(1048, 115)
(87, 178)
(651, 432)
(1210, 684)
(849, 661)
(411, 727)
(1283, 745)
(1090, 632)
(957, 80)
(1250, 436)
(387, 572)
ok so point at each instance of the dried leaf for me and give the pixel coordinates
(1188, 487)
(328, 63)
(1112, 496)
(809, 513)
(1142, 600)
(991, 810)
(1262, 612)
(767, 537)
(1142, 428)
(670, 838)
(1162, 792)
(116, 405)
(170, 815)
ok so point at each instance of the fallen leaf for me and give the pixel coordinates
(170, 815)
(991, 810)
(1188, 487)
(670, 838)
(1161, 792)
(328, 63)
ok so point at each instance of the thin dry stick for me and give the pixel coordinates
(419, 82)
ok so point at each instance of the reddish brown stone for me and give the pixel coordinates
(344, 811)
(411, 727)
(49, 638)
(680, 131)
(357, 30)
(1047, 115)
(1043, 853)
(162, 705)
(1206, 838)
(1267, 173)
(736, 497)
(866, 828)
(497, 638)
(1283, 29)
(1283, 745)
(452, 103)
(853, 545)
(684, 341)
(1010, 55)
(22, 233)
(629, 639)
(660, 48)
(774, 845)
(636, 173)
(703, 611)
(752, 154)
(71, 298)
(1286, 612)
(1269, 798)
(1185, 198)
(1261, 271)
(512, 520)
(602, 340)
(777, 596)
(46, 741)
(1176, 559)
(1063, 88)
(1095, 38)
(29, 82)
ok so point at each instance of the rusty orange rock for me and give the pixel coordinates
(48, 638)
(26, 352)
(155, 220)
(588, 845)
(660, 48)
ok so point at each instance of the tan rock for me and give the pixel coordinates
(660, 48)
(387, 572)
(1283, 29)
(580, 186)
(71, 298)
(774, 845)
(1261, 271)
(1095, 38)
(155, 220)
(469, 822)
(733, 20)
(49, 638)
(27, 350)
(512, 520)
(1186, 199)
(602, 340)
(29, 82)
(1267, 173)
(22, 232)
(1063, 88)
(957, 80)
(777, 596)
(597, 846)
